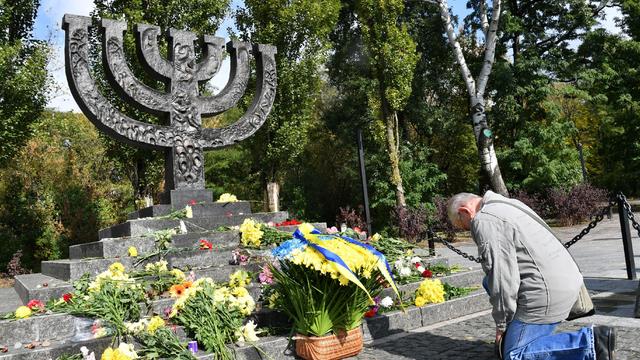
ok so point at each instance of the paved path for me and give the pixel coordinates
(601, 259)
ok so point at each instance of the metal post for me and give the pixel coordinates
(363, 177)
(432, 245)
(626, 239)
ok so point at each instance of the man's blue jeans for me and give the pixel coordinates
(524, 341)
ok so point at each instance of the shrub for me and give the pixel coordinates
(576, 205)
(536, 202)
(14, 267)
(412, 222)
(351, 217)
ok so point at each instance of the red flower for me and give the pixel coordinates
(192, 202)
(35, 305)
(372, 312)
(427, 273)
(67, 297)
(291, 222)
(417, 265)
(205, 245)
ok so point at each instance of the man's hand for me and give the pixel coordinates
(499, 334)
(497, 347)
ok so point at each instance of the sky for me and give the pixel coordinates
(47, 27)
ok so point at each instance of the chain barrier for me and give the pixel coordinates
(613, 201)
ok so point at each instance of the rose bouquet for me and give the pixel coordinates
(326, 283)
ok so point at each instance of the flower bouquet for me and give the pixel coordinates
(212, 313)
(255, 234)
(325, 284)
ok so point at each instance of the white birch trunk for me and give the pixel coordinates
(476, 88)
(273, 196)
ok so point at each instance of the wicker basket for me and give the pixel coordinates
(329, 347)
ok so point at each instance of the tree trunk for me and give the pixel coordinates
(484, 140)
(273, 196)
(391, 120)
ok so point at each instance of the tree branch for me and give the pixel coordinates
(558, 38)
(484, 21)
(490, 49)
(457, 50)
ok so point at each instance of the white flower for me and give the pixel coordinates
(421, 269)
(183, 227)
(188, 212)
(416, 259)
(248, 332)
(85, 354)
(398, 264)
(127, 350)
(405, 271)
(386, 302)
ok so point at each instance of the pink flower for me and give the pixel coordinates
(193, 202)
(35, 305)
(332, 230)
(266, 277)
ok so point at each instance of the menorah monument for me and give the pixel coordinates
(184, 139)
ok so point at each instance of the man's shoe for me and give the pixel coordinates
(604, 342)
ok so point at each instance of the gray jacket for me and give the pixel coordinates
(532, 277)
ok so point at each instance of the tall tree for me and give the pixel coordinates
(144, 167)
(24, 82)
(476, 87)
(393, 57)
(299, 29)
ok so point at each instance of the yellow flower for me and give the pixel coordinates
(376, 237)
(251, 233)
(273, 300)
(420, 301)
(107, 354)
(178, 274)
(23, 312)
(133, 252)
(239, 278)
(155, 323)
(188, 212)
(430, 292)
(116, 269)
(226, 197)
(305, 228)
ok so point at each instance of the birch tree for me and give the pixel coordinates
(476, 87)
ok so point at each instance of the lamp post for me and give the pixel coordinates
(363, 177)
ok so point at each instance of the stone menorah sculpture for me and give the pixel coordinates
(184, 139)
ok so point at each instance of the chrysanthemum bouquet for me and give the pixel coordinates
(213, 313)
(255, 234)
(326, 283)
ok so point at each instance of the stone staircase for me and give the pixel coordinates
(59, 334)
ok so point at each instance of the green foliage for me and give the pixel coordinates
(452, 292)
(53, 195)
(163, 343)
(299, 30)
(24, 84)
(318, 304)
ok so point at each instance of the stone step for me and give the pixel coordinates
(40, 287)
(199, 210)
(274, 347)
(56, 348)
(37, 328)
(119, 247)
(139, 227)
(72, 269)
